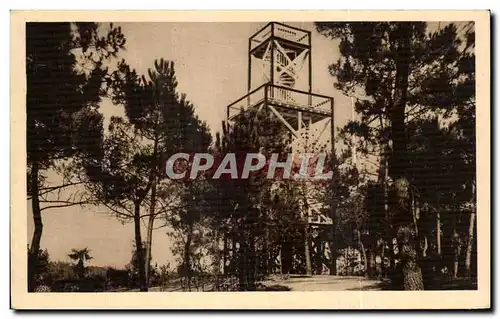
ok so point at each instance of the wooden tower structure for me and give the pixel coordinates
(280, 82)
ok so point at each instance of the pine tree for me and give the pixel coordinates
(62, 101)
(400, 72)
(237, 202)
(126, 174)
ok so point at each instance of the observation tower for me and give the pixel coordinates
(280, 83)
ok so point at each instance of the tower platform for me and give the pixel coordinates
(288, 102)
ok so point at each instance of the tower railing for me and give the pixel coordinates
(299, 99)
(253, 98)
(283, 97)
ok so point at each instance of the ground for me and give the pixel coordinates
(322, 283)
(298, 283)
(326, 283)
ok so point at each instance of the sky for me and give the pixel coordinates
(211, 67)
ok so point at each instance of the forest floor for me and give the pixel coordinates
(323, 283)
(299, 283)
(317, 283)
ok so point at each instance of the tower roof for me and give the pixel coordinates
(291, 36)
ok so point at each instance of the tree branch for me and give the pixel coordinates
(64, 205)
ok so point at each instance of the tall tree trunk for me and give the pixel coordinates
(383, 178)
(425, 247)
(149, 240)
(140, 250)
(333, 242)
(38, 229)
(187, 258)
(251, 265)
(234, 260)
(382, 261)
(307, 253)
(217, 254)
(371, 266)
(438, 225)
(412, 274)
(421, 244)
(372, 262)
(333, 252)
(219, 272)
(363, 252)
(470, 235)
(438, 233)
(242, 260)
(280, 258)
(347, 263)
(390, 253)
(152, 215)
(224, 256)
(456, 252)
(470, 240)
(267, 252)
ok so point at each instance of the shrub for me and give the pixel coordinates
(43, 288)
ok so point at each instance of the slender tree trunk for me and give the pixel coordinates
(347, 263)
(426, 246)
(38, 229)
(470, 237)
(225, 253)
(140, 250)
(333, 247)
(456, 252)
(438, 233)
(455, 269)
(217, 254)
(438, 225)
(363, 252)
(242, 259)
(372, 262)
(149, 240)
(234, 260)
(371, 265)
(251, 265)
(152, 215)
(187, 258)
(389, 239)
(307, 253)
(333, 251)
(280, 257)
(267, 253)
(389, 230)
(416, 223)
(147, 258)
(391, 253)
(382, 260)
(242, 267)
(470, 240)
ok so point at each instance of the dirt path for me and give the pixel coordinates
(314, 283)
(326, 283)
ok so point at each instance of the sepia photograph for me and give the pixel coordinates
(265, 157)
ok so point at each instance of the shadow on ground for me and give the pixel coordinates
(383, 285)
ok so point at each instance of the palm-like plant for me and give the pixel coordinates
(80, 255)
